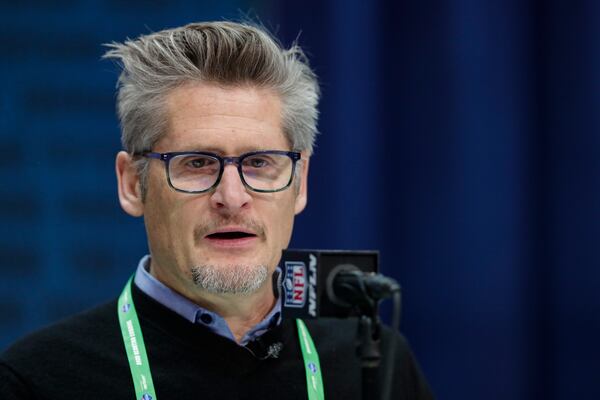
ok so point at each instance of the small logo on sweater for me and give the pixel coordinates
(274, 350)
(126, 307)
(146, 396)
(295, 284)
(312, 367)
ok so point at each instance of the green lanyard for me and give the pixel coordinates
(140, 367)
(314, 380)
(134, 346)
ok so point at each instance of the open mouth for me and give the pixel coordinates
(230, 235)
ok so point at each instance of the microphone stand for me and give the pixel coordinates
(363, 293)
(369, 351)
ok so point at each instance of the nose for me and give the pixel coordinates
(230, 195)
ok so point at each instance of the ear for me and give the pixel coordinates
(128, 183)
(301, 197)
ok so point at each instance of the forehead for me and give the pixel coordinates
(226, 119)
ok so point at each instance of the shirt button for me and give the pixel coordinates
(206, 318)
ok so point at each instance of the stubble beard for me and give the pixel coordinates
(238, 279)
(232, 279)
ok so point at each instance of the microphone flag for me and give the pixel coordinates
(304, 280)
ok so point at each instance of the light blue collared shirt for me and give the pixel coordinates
(193, 312)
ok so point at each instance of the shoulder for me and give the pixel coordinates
(89, 324)
(43, 360)
(73, 335)
(341, 332)
(12, 385)
(337, 339)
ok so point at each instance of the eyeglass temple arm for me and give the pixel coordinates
(149, 154)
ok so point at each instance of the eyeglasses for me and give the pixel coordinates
(197, 172)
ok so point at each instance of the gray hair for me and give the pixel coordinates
(225, 53)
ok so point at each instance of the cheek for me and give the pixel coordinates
(165, 220)
(283, 222)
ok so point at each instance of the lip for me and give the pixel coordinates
(232, 228)
(235, 243)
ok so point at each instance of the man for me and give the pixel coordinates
(218, 123)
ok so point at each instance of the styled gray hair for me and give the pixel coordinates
(221, 52)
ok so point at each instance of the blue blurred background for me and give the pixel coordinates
(477, 129)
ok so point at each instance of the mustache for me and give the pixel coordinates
(208, 226)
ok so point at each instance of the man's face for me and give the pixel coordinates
(191, 230)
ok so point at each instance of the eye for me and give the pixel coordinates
(199, 162)
(256, 162)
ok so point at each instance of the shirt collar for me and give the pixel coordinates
(193, 312)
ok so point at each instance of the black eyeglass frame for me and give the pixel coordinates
(223, 161)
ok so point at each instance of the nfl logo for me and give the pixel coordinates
(295, 284)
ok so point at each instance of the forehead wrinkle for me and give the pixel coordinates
(188, 125)
(211, 100)
(230, 129)
(219, 118)
(224, 139)
(202, 116)
(215, 120)
(254, 116)
(255, 130)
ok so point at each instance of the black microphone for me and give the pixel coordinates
(330, 283)
(348, 286)
(342, 284)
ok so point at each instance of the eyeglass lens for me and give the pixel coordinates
(195, 173)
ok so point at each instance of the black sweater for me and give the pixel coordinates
(83, 357)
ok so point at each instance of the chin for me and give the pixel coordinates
(240, 279)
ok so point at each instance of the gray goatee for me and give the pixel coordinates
(230, 279)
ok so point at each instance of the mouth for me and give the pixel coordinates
(231, 237)
(235, 235)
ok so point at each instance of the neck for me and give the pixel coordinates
(241, 312)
